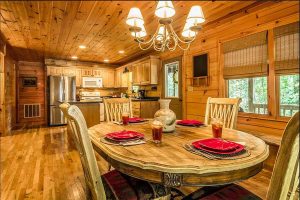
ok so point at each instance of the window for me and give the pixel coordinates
(289, 94)
(252, 91)
(171, 80)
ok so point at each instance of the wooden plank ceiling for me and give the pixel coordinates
(54, 29)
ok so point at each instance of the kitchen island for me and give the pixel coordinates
(93, 111)
(145, 108)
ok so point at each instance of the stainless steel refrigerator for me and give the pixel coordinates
(60, 89)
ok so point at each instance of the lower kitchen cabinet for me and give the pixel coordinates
(92, 112)
(145, 109)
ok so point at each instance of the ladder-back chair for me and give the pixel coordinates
(113, 184)
(225, 109)
(114, 107)
(285, 177)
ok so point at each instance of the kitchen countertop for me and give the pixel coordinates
(82, 101)
(146, 99)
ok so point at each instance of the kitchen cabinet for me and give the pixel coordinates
(126, 79)
(108, 78)
(97, 72)
(136, 109)
(91, 111)
(54, 71)
(78, 77)
(86, 72)
(145, 72)
(118, 77)
(144, 109)
(69, 71)
(107, 74)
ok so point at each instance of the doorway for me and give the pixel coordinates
(172, 84)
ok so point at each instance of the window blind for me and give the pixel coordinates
(246, 57)
(287, 49)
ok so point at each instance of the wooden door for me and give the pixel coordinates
(2, 95)
(172, 85)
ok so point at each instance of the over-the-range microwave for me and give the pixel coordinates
(92, 82)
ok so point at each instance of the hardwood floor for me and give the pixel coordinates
(42, 163)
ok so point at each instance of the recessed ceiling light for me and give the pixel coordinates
(106, 60)
(82, 46)
(74, 57)
(122, 51)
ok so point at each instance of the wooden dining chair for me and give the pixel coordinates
(285, 177)
(112, 185)
(114, 107)
(225, 109)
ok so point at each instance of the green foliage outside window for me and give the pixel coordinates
(289, 94)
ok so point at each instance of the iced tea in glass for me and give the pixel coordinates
(157, 128)
(125, 118)
(217, 126)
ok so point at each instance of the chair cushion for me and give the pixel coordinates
(225, 192)
(120, 186)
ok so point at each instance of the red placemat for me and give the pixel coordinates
(124, 135)
(217, 145)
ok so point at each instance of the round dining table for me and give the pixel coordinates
(171, 164)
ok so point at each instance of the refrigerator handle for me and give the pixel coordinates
(64, 89)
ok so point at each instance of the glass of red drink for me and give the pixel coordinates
(157, 128)
(217, 126)
(125, 118)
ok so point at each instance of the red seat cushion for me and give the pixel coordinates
(120, 186)
(227, 192)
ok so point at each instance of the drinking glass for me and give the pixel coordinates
(217, 126)
(125, 118)
(157, 128)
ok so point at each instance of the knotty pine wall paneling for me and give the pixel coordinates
(8, 115)
(31, 95)
(256, 18)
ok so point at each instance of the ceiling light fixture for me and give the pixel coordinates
(121, 51)
(74, 57)
(82, 46)
(165, 36)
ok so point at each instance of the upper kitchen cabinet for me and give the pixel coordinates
(87, 72)
(118, 77)
(69, 71)
(108, 76)
(54, 71)
(145, 71)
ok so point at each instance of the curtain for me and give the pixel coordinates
(246, 57)
(287, 49)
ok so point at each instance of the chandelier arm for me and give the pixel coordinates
(182, 41)
(149, 41)
(178, 39)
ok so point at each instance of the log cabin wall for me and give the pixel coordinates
(8, 93)
(235, 25)
(31, 95)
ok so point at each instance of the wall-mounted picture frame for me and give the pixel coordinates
(29, 81)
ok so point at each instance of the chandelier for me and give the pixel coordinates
(165, 36)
